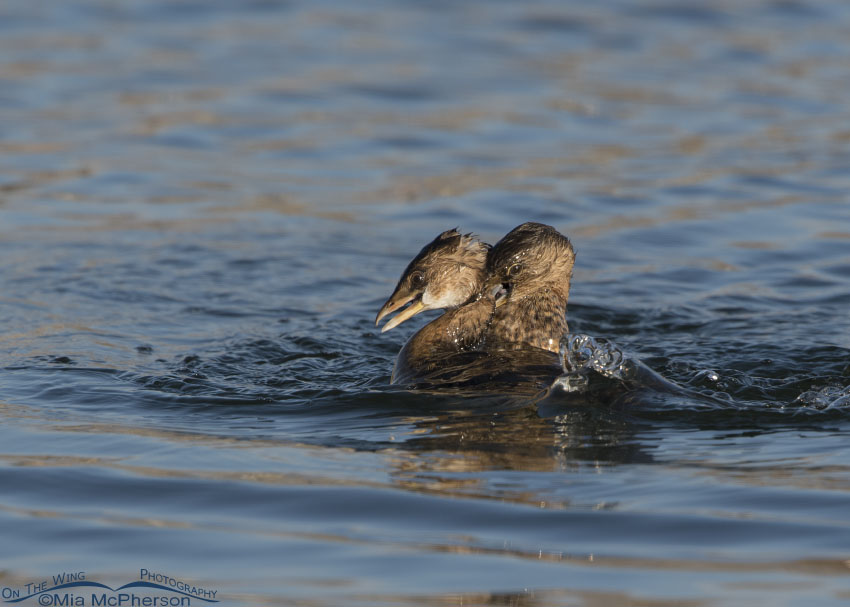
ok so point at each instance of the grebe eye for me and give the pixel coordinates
(514, 270)
(417, 279)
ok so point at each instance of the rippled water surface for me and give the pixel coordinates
(203, 204)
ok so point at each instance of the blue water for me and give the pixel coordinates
(203, 204)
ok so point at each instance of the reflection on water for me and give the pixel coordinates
(202, 204)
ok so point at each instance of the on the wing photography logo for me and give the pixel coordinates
(73, 589)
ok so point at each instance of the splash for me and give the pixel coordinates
(589, 363)
(582, 356)
(828, 397)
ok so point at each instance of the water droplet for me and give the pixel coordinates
(709, 374)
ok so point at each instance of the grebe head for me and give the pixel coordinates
(532, 259)
(446, 273)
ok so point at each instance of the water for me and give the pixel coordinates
(204, 203)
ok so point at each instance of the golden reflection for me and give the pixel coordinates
(268, 478)
(460, 182)
(572, 106)
(756, 245)
(126, 221)
(16, 411)
(690, 144)
(649, 95)
(280, 145)
(448, 458)
(152, 125)
(540, 598)
(685, 212)
(161, 98)
(50, 329)
(285, 204)
(38, 178)
(25, 69)
(799, 474)
(32, 147)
